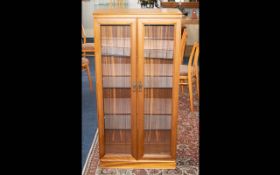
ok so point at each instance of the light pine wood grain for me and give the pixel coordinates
(121, 63)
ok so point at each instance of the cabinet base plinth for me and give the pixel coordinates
(138, 164)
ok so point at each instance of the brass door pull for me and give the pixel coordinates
(140, 86)
(134, 86)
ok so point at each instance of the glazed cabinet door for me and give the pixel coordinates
(157, 80)
(115, 42)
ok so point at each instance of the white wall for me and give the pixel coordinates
(90, 5)
(193, 33)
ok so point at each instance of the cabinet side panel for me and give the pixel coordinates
(175, 92)
(99, 94)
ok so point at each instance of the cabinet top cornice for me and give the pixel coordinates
(132, 12)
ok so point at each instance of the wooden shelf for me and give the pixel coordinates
(149, 81)
(115, 51)
(151, 121)
(122, 107)
(183, 4)
(158, 82)
(157, 122)
(158, 53)
(117, 141)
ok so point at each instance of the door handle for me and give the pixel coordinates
(140, 86)
(134, 86)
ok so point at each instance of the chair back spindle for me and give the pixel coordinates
(183, 44)
(84, 34)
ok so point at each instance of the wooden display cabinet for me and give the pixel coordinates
(137, 73)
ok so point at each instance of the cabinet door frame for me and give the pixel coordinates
(175, 85)
(99, 86)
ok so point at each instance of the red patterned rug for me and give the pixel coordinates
(187, 147)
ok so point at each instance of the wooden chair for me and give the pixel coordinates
(182, 53)
(85, 67)
(190, 71)
(86, 47)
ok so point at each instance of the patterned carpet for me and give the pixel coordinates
(187, 147)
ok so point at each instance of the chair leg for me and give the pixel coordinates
(197, 82)
(190, 90)
(182, 86)
(89, 78)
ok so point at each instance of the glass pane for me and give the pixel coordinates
(158, 54)
(116, 74)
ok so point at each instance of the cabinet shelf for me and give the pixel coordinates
(116, 69)
(157, 44)
(149, 82)
(121, 121)
(156, 122)
(148, 52)
(117, 76)
(115, 51)
(158, 53)
(118, 46)
(123, 137)
(156, 106)
(117, 105)
(123, 70)
(116, 82)
(117, 141)
(157, 141)
(152, 106)
(158, 82)
(117, 88)
(113, 59)
(158, 48)
(158, 38)
(152, 121)
(154, 76)
(154, 60)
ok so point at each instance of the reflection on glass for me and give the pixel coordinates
(116, 74)
(158, 54)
